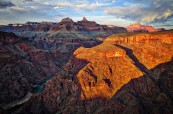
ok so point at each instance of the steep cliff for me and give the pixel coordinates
(27, 65)
(142, 28)
(22, 66)
(113, 77)
(66, 28)
(119, 59)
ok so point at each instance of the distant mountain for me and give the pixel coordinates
(136, 27)
(28, 26)
(67, 28)
(84, 28)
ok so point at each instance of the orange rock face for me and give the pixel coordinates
(119, 59)
(142, 28)
(127, 73)
(163, 37)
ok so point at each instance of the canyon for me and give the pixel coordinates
(126, 73)
(25, 65)
(84, 67)
(66, 28)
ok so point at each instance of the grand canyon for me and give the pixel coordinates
(122, 73)
(84, 67)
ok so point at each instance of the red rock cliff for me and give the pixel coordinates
(113, 77)
(142, 28)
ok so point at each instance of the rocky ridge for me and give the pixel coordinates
(142, 28)
(113, 77)
(22, 65)
(80, 29)
(26, 65)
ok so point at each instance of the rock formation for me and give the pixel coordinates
(124, 49)
(8, 38)
(21, 67)
(142, 28)
(88, 25)
(25, 65)
(80, 29)
(141, 38)
(113, 77)
(84, 19)
(66, 71)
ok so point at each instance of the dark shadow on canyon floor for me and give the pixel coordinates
(141, 95)
(22, 74)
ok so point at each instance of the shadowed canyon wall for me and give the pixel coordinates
(27, 65)
(113, 77)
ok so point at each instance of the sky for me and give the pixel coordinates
(158, 13)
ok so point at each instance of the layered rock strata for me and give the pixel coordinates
(126, 77)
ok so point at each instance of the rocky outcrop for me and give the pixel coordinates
(25, 66)
(21, 67)
(84, 19)
(166, 37)
(88, 25)
(7, 38)
(84, 25)
(92, 79)
(142, 28)
(112, 78)
(67, 28)
(31, 26)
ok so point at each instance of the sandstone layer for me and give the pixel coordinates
(121, 75)
(142, 28)
(66, 28)
(26, 65)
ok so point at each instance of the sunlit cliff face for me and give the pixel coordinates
(119, 59)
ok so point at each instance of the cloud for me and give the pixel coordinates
(27, 0)
(4, 4)
(61, 15)
(167, 25)
(156, 17)
(27, 11)
(132, 11)
(106, 1)
(78, 5)
(87, 6)
(117, 12)
(38, 10)
(146, 11)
